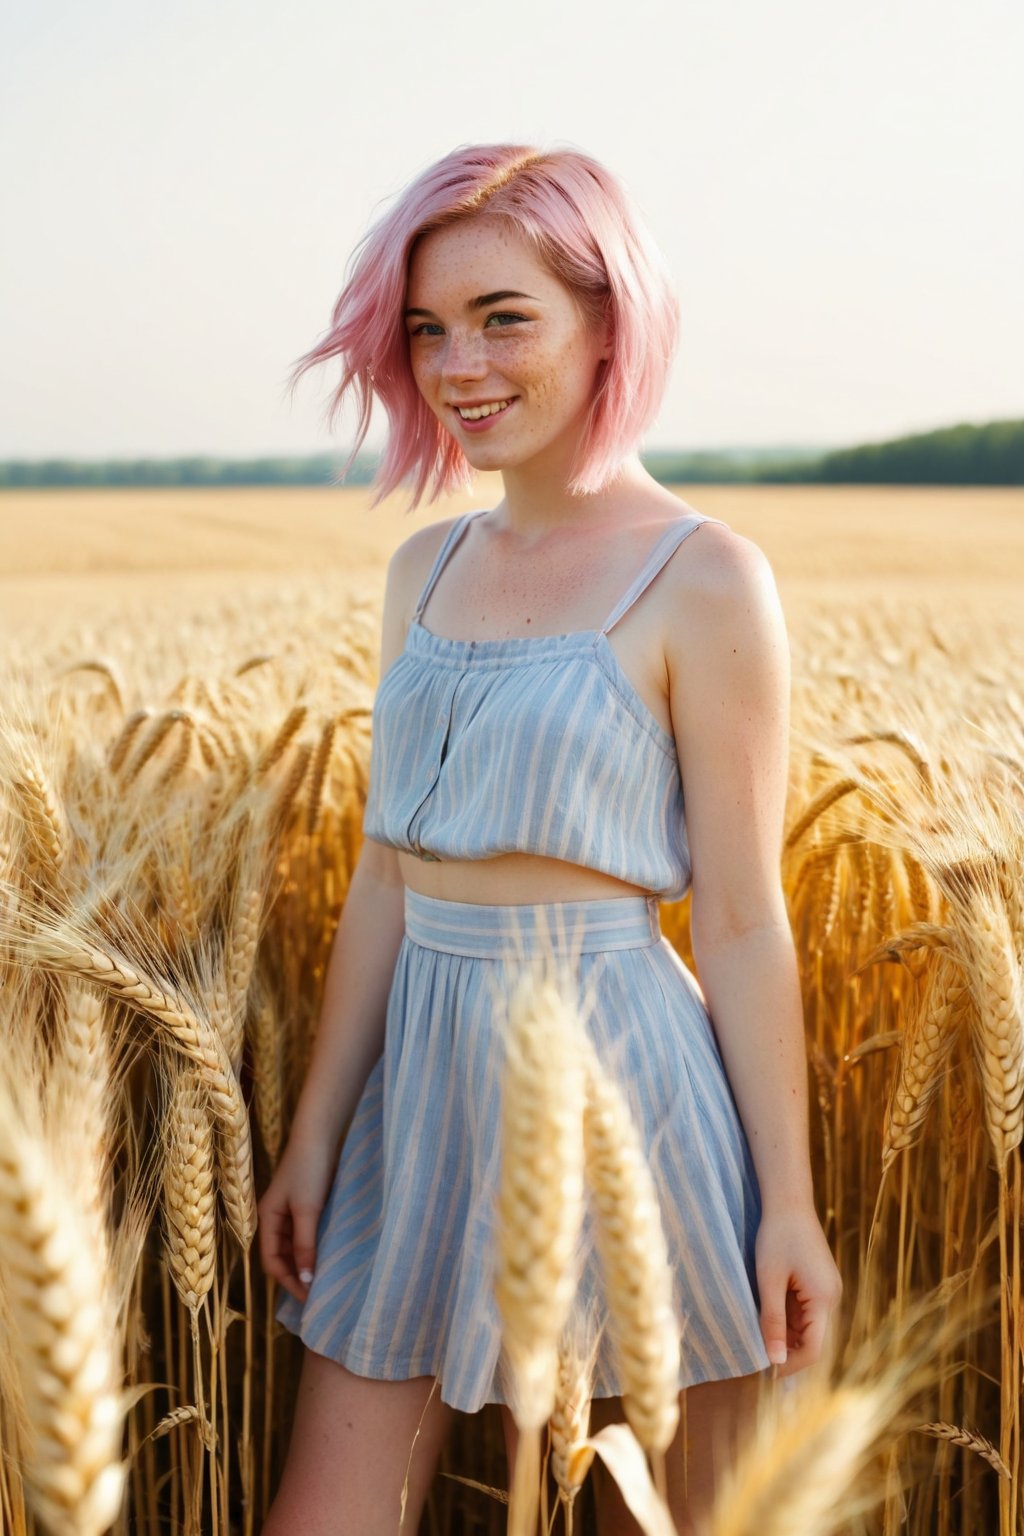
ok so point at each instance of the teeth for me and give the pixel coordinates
(479, 411)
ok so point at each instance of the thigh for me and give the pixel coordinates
(353, 1441)
(712, 1419)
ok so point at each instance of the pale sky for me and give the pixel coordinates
(837, 189)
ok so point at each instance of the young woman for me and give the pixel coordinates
(555, 671)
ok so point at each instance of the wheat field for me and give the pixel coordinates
(188, 682)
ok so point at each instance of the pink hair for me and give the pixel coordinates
(584, 226)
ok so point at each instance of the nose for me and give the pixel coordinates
(464, 358)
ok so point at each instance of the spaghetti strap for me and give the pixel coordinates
(448, 543)
(665, 546)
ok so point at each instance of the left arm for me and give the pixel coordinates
(729, 676)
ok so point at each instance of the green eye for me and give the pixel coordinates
(500, 314)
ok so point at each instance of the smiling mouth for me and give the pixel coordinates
(481, 412)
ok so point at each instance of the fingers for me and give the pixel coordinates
(798, 1287)
(287, 1243)
(808, 1322)
(793, 1328)
(806, 1344)
(773, 1317)
(304, 1233)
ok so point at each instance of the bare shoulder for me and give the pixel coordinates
(723, 563)
(417, 552)
(724, 582)
(411, 561)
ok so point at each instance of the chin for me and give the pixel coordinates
(487, 458)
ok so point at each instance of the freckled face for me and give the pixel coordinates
(533, 349)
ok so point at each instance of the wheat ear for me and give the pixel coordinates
(571, 1457)
(970, 1440)
(797, 1468)
(57, 943)
(267, 1094)
(634, 1256)
(998, 1034)
(78, 1093)
(190, 1190)
(44, 814)
(62, 1336)
(924, 1052)
(540, 1198)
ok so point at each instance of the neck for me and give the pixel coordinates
(536, 503)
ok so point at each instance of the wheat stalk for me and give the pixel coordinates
(318, 774)
(266, 1075)
(62, 1336)
(571, 1456)
(178, 761)
(77, 1094)
(998, 1033)
(970, 1440)
(276, 747)
(157, 735)
(106, 670)
(924, 1052)
(818, 806)
(189, 1413)
(540, 1196)
(231, 984)
(634, 1256)
(44, 815)
(190, 1192)
(57, 943)
(797, 1467)
(123, 745)
(243, 941)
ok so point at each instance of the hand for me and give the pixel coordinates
(799, 1286)
(289, 1215)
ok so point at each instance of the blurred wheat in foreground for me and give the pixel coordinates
(180, 815)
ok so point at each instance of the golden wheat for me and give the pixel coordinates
(291, 724)
(318, 773)
(540, 1198)
(863, 684)
(634, 1257)
(794, 1477)
(161, 728)
(823, 802)
(266, 1037)
(60, 945)
(79, 1092)
(190, 1192)
(62, 1336)
(926, 1046)
(970, 1440)
(571, 1457)
(998, 1036)
(44, 816)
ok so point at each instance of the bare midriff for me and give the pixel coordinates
(510, 879)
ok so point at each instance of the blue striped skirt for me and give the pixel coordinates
(402, 1285)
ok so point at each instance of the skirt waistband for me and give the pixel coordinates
(559, 927)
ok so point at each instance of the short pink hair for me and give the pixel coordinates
(586, 229)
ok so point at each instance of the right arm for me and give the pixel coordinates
(350, 1033)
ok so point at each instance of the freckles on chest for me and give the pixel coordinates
(552, 597)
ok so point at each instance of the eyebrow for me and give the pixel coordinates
(478, 303)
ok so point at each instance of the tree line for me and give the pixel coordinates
(990, 453)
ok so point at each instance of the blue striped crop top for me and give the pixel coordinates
(531, 744)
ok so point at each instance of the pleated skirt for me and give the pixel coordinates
(403, 1279)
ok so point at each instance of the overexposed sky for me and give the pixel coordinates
(838, 191)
